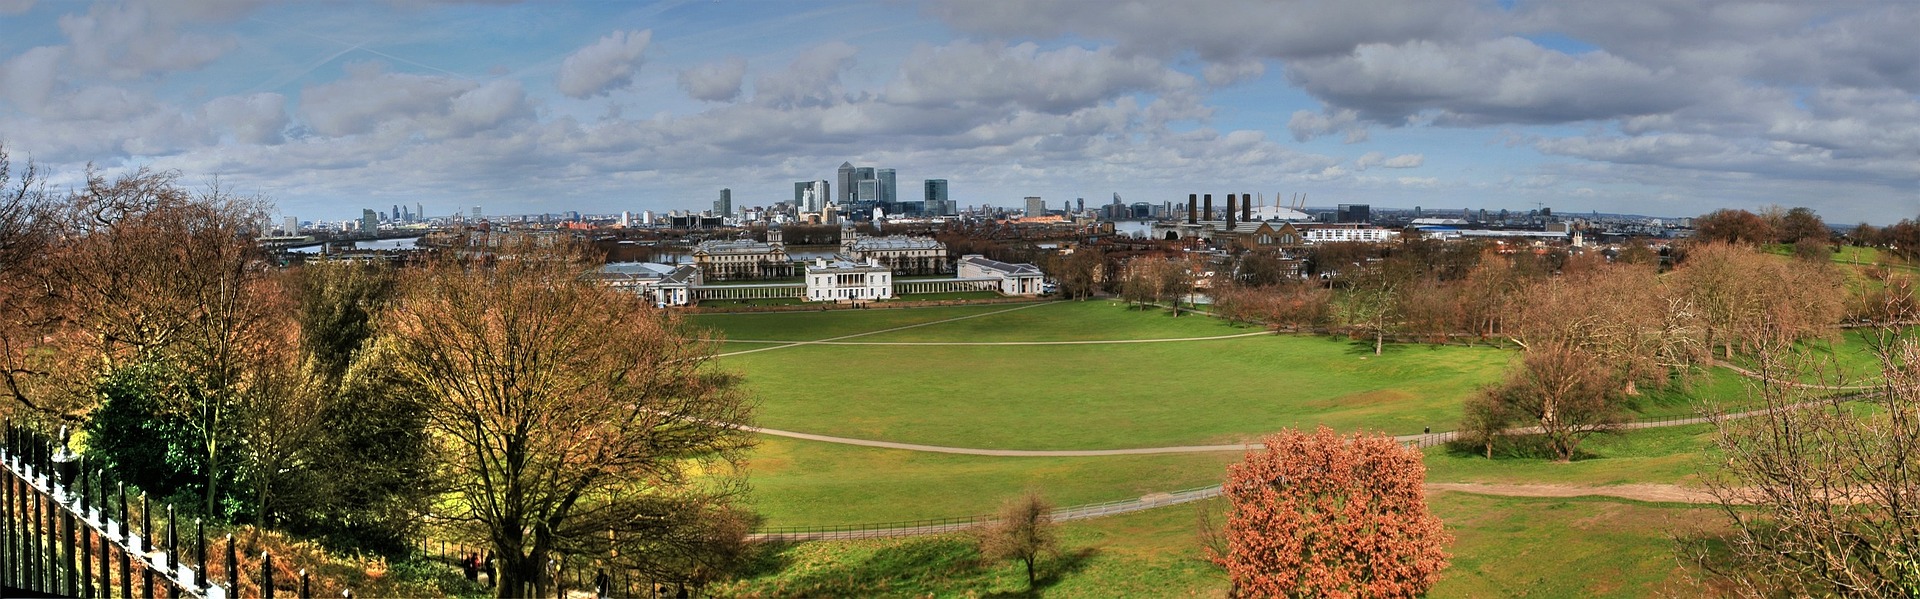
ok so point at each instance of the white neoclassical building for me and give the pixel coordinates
(1013, 279)
(666, 284)
(840, 280)
(908, 255)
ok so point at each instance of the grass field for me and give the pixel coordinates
(1661, 455)
(1111, 396)
(1089, 396)
(809, 483)
(1503, 547)
(812, 326)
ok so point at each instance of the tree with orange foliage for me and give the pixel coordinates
(566, 416)
(1732, 226)
(1322, 515)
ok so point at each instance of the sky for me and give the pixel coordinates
(1660, 107)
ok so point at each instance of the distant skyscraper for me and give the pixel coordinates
(291, 227)
(476, 213)
(866, 190)
(724, 205)
(936, 198)
(369, 221)
(822, 195)
(420, 211)
(1353, 213)
(887, 192)
(1036, 206)
(846, 183)
(800, 193)
(396, 213)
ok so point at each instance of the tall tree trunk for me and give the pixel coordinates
(1379, 340)
(521, 577)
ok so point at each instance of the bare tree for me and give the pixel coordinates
(563, 412)
(1024, 532)
(1821, 495)
(1565, 394)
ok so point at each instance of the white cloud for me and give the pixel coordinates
(605, 65)
(1220, 74)
(715, 82)
(1056, 81)
(1373, 159)
(371, 99)
(251, 119)
(127, 41)
(1222, 30)
(813, 79)
(29, 79)
(1507, 80)
(1306, 124)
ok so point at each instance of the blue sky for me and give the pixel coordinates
(1662, 107)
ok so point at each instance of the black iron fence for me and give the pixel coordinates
(68, 530)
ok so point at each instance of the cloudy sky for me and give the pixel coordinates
(1666, 107)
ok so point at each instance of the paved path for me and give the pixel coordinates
(1639, 492)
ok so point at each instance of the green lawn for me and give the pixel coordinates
(954, 295)
(1111, 396)
(1503, 547)
(812, 326)
(1673, 455)
(1581, 547)
(1069, 321)
(808, 483)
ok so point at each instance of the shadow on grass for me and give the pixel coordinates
(900, 568)
(908, 567)
(1051, 572)
(1514, 447)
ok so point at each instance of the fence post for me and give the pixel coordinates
(233, 567)
(306, 585)
(200, 552)
(6, 520)
(146, 542)
(173, 552)
(86, 558)
(126, 560)
(266, 575)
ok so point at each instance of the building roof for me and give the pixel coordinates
(896, 242)
(635, 270)
(843, 265)
(1002, 267)
(732, 246)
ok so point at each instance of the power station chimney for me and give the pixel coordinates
(1193, 208)
(1246, 207)
(1230, 212)
(1207, 205)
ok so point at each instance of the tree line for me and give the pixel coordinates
(501, 398)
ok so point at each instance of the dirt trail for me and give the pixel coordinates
(1639, 492)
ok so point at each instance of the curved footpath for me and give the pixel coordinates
(1659, 493)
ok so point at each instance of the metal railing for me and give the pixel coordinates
(65, 531)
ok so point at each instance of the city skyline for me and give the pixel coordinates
(539, 108)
